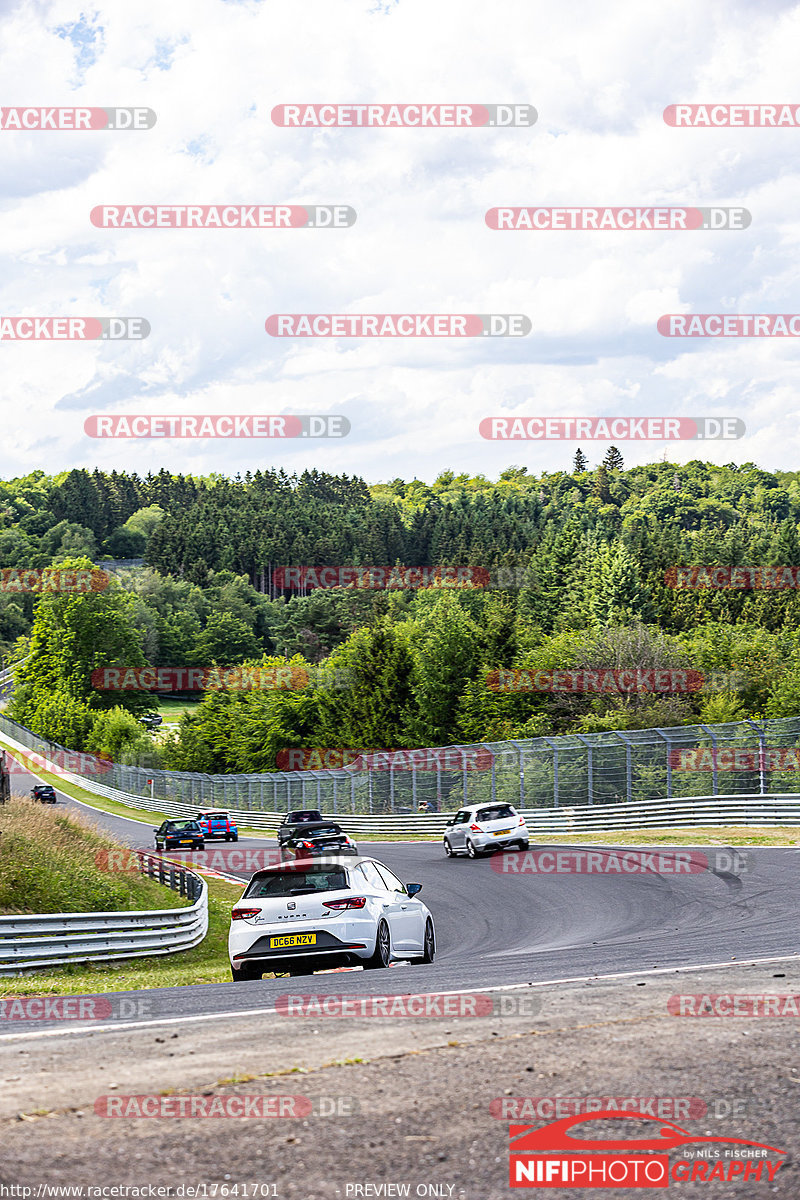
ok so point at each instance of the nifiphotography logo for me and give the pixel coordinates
(551, 1156)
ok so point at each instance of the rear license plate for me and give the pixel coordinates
(293, 939)
(501, 833)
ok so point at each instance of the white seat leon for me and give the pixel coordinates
(311, 914)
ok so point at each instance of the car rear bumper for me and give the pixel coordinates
(486, 841)
(327, 947)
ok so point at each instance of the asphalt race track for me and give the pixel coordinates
(498, 929)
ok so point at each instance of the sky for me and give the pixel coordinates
(599, 77)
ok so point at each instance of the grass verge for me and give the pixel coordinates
(49, 864)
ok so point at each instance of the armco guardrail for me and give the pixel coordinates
(32, 942)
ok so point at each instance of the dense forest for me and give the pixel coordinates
(589, 550)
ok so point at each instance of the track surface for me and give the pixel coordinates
(496, 929)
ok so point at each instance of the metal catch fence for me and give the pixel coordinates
(609, 768)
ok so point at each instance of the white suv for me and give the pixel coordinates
(482, 828)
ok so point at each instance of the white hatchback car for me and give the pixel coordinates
(482, 828)
(310, 914)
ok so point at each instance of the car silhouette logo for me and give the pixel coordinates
(556, 1136)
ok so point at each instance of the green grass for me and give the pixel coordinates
(173, 710)
(708, 835)
(53, 862)
(206, 963)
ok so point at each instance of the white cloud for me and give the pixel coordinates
(600, 78)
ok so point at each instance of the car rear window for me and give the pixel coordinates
(498, 812)
(321, 831)
(292, 883)
(187, 826)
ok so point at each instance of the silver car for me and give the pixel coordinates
(482, 828)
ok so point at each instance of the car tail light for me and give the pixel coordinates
(306, 845)
(239, 914)
(350, 902)
(476, 828)
(522, 820)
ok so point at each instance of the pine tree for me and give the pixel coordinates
(613, 460)
(601, 488)
(580, 462)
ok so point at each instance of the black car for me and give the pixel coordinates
(44, 793)
(313, 838)
(298, 816)
(151, 720)
(174, 835)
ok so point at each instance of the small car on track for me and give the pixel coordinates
(44, 793)
(313, 914)
(314, 838)
(216, 823)
(297, 816)
(482, 828)
(177, 835)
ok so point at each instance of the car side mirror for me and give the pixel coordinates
(452, 821)
(413, 888)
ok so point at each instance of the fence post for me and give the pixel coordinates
(714, 777)
(589, 779)
(335, 787)
(464, 764)
(521, 764)
(761, 757)
(554, 747)
(628, 770)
